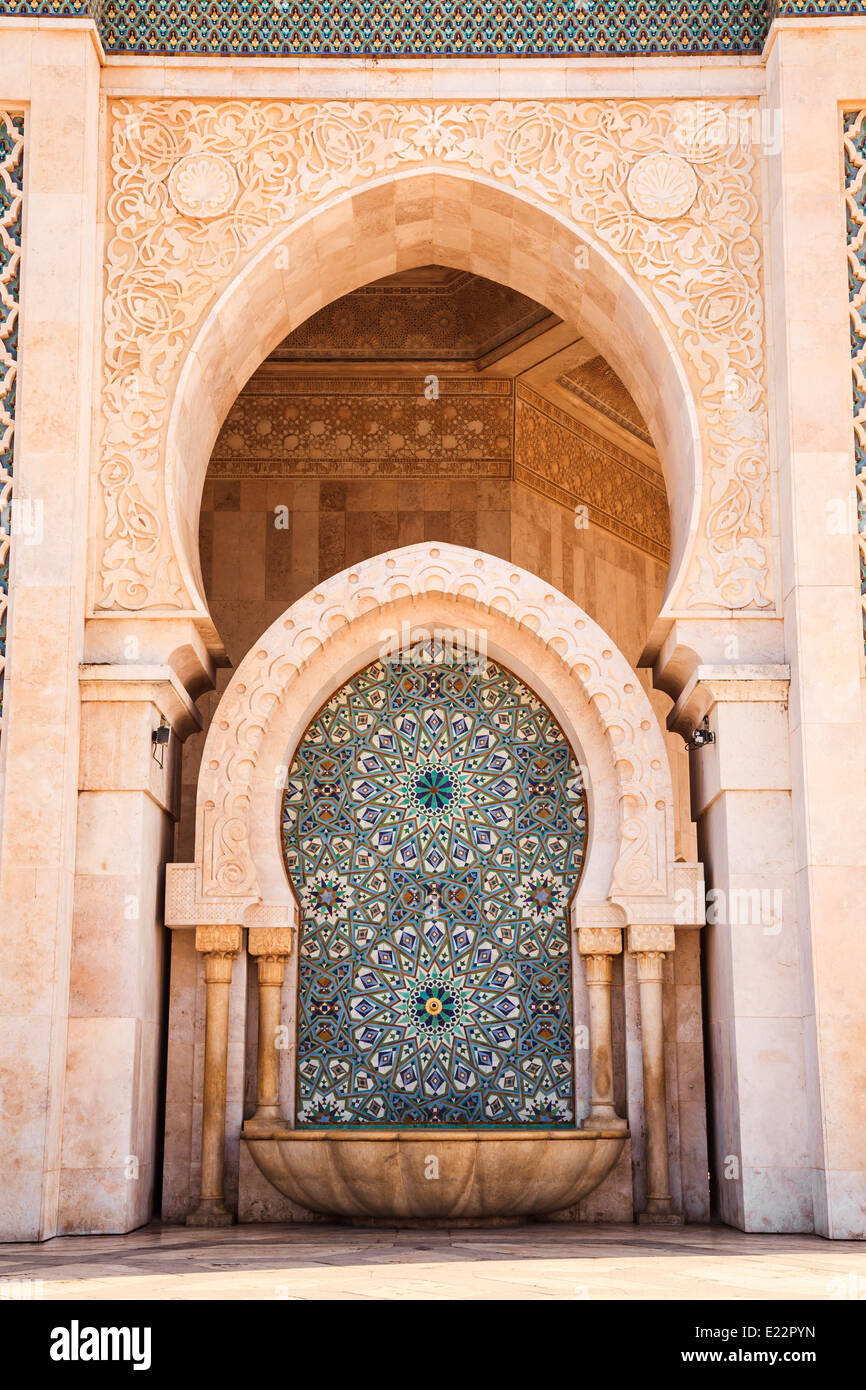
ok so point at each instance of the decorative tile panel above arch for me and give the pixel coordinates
(434, 825)
(662, 196)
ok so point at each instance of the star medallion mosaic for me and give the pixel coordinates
(434, 828)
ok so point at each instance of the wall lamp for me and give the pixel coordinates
(159, 738)
(700, 737)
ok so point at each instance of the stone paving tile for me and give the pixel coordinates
(531, 1262)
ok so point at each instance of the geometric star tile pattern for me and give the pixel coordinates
(414, 28)
(435, 28)
(434, 828)
(11, 200)
(854, 135)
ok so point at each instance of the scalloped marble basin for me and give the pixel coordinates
(481, 1173)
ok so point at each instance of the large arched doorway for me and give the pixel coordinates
(431, 219)
(434, 826)
(513, 432)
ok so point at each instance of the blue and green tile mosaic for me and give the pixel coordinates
(433, 28)
(11, 202)
(434, 827)
(417, 28)
(854, 136)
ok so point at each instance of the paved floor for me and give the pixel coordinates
(520, 1262)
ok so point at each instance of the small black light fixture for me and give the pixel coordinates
(159, 737)
(700, 737)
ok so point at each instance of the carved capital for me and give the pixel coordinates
(651, 937)
(599, 969)
(219, 940)
(599, 941)
(272, 943)
(650, 966)
(272, 970)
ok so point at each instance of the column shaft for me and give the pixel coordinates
(602, 1114)
(220, 946)
(271, 946)
(650, 965)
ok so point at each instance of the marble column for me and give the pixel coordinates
(649, 945)
(598, 946)
(271, 946)
(220, 946)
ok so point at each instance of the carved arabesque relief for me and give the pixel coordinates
(368, 427)
(561, 457)
(685, 225)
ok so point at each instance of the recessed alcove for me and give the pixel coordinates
(434, 405)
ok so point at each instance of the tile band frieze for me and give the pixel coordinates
(854, 131)
(11, 211)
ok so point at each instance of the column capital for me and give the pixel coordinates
(599, 941)
(651, 937)
(599, 969)
(270, 943)
(219, 940)
(737, 683)
(650, 966)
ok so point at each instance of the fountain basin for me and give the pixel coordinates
(436, 1174)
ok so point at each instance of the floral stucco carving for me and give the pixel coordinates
(644, 866)
(260, 165)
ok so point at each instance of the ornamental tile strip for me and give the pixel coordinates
(419, 28)
(433, 28)
(854, 134)
(434, 827)
(11, 198)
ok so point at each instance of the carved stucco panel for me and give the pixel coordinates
(669, 188)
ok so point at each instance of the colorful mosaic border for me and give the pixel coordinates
(815, 9)
(434, 28)
(417, 28)
(854, 135)
(11, 200)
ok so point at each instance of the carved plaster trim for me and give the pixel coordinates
(620, 172)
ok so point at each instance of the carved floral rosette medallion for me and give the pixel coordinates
(667, 188)
(662, 185)
(203, 185)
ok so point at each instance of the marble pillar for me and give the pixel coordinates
(649, 945)
(271, 947)
(220, 946)
(598, 946)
